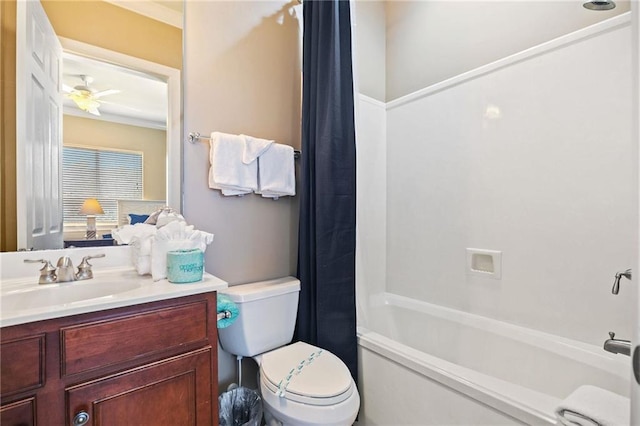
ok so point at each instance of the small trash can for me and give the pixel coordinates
(240, 407)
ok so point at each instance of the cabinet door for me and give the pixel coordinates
(20, 413)
(176, 391)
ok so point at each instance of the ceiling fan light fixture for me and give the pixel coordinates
(85, 103)
(85, 97)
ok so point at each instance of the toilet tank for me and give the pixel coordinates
(267, 316)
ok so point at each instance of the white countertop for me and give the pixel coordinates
(23, 300)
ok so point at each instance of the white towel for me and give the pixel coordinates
(276, 172)
(126, 233)
(593, 406)
(227, 171)
(227, 192)
(141, 252)
(254, 148)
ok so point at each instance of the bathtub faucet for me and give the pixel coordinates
(617, 346)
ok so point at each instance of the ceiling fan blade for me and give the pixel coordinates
(105, 93)
(67, 89)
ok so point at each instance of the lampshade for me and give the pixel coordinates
(91, 206)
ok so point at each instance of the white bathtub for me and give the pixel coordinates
(432, 365)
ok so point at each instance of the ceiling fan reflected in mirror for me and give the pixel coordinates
(87, 98)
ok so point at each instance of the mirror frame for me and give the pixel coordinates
(172, 77)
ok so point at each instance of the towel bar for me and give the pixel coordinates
(196, 136)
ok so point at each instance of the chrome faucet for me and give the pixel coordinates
(64, 271)
(616, 282)
(617, 346)
(84, 269)
(47, 273)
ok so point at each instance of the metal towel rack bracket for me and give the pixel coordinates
(197, 137)
(223, 315)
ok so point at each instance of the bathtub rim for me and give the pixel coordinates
(530, 407)
(585, 353)
(519, 402)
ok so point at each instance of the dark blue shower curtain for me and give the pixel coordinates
(327, 237)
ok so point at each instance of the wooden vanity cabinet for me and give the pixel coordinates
(149, 364)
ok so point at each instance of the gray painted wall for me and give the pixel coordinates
(241, 75)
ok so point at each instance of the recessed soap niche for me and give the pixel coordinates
(484, 263)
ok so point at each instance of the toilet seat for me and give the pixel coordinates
(306, 374)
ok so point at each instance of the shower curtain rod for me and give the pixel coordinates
(196, 136)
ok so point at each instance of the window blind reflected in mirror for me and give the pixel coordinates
(102, 174)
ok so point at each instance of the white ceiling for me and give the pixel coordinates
(142, 101)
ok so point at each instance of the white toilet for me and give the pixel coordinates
(300, 384)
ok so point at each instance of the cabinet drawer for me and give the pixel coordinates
(22, 366)
(106, 343)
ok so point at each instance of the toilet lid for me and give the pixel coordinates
(306, 374)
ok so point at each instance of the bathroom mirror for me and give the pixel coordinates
(142, 116)
(109, 40)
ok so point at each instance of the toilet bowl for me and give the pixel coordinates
(300, 384)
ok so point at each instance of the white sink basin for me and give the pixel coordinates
(115, 284)
(43, 296)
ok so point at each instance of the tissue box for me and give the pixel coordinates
(185, 266)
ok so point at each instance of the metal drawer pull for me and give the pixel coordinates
(82, 418)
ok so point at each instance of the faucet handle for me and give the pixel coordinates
(612, 334)
(47, 272)
(616, 283)
(95, 256)
(85, 260)
(626, 274)
(84, 269)
(36, 261)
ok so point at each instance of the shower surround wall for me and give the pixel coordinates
(532, 157)
(371, 215)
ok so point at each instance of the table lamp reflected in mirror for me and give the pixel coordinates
(91, 207)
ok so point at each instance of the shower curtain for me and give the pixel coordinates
(327, 239)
